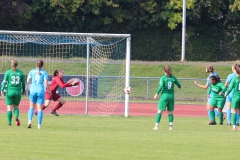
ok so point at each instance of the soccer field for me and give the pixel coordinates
(115, 137)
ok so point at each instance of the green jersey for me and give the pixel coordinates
(15, 80)
(235, 85)
(166, 84)
(216, 89)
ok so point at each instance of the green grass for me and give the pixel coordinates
(186, 70)
(103, 137)
(179, 70)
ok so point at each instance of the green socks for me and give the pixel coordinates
(9, 117)
(234, 116)
(158, 117)
(212, 114)
(170, 118)
(220, 114)
(16, 112)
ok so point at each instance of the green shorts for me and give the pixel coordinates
(13, 97)
(235, 103)
(218, 103)
(166, 101)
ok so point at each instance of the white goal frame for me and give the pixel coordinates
(127, 58)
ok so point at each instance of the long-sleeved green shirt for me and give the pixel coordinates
(235, 86)
(166, 84)
(14, 80)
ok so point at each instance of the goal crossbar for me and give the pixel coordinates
(64, 34)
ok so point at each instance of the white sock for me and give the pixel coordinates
(29, 121)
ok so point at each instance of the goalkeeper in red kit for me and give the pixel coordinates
(56, 82)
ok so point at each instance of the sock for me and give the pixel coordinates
(229, 116)
(234, 119)
(158, 117)
(209, 115)
(16, 112)
(30, 113)
(212, 113)
(220, 117)
(216, 112)
(40, 116)
(170, 119)
(237, 118)
(9, 117)
(44, 107)
(59, 105)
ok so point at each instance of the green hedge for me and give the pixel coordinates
(166, 45)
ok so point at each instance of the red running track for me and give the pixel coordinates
(135, 109)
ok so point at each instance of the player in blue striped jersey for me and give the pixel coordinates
(210, 71)
(229, 97)
(39, 81)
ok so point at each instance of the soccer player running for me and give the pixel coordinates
(229, 97)
(16, 82)
(234, 85)
(210, 71)
(166, 87)
(218, 100)
(39, 81)
(56, 82)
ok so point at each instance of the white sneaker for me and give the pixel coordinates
(155, 128)
(170, 128)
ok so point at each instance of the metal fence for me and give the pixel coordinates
(144, 88)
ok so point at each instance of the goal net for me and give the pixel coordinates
(100, 62)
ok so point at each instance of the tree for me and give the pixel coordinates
(13, 12)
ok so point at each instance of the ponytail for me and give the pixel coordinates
(14, 64)
(167, 70)
(55, 73)
(39, 65)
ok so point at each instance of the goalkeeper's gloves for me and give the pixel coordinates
(75, 83)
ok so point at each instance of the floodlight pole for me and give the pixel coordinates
(183, 30)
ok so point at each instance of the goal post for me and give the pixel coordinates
(101, 62)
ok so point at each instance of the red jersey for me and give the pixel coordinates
(57, 81)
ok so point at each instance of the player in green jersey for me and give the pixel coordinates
(229, 97)
(166, 87)
(210, 71)
(217, 88)
(15, 81)
(235, 86)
